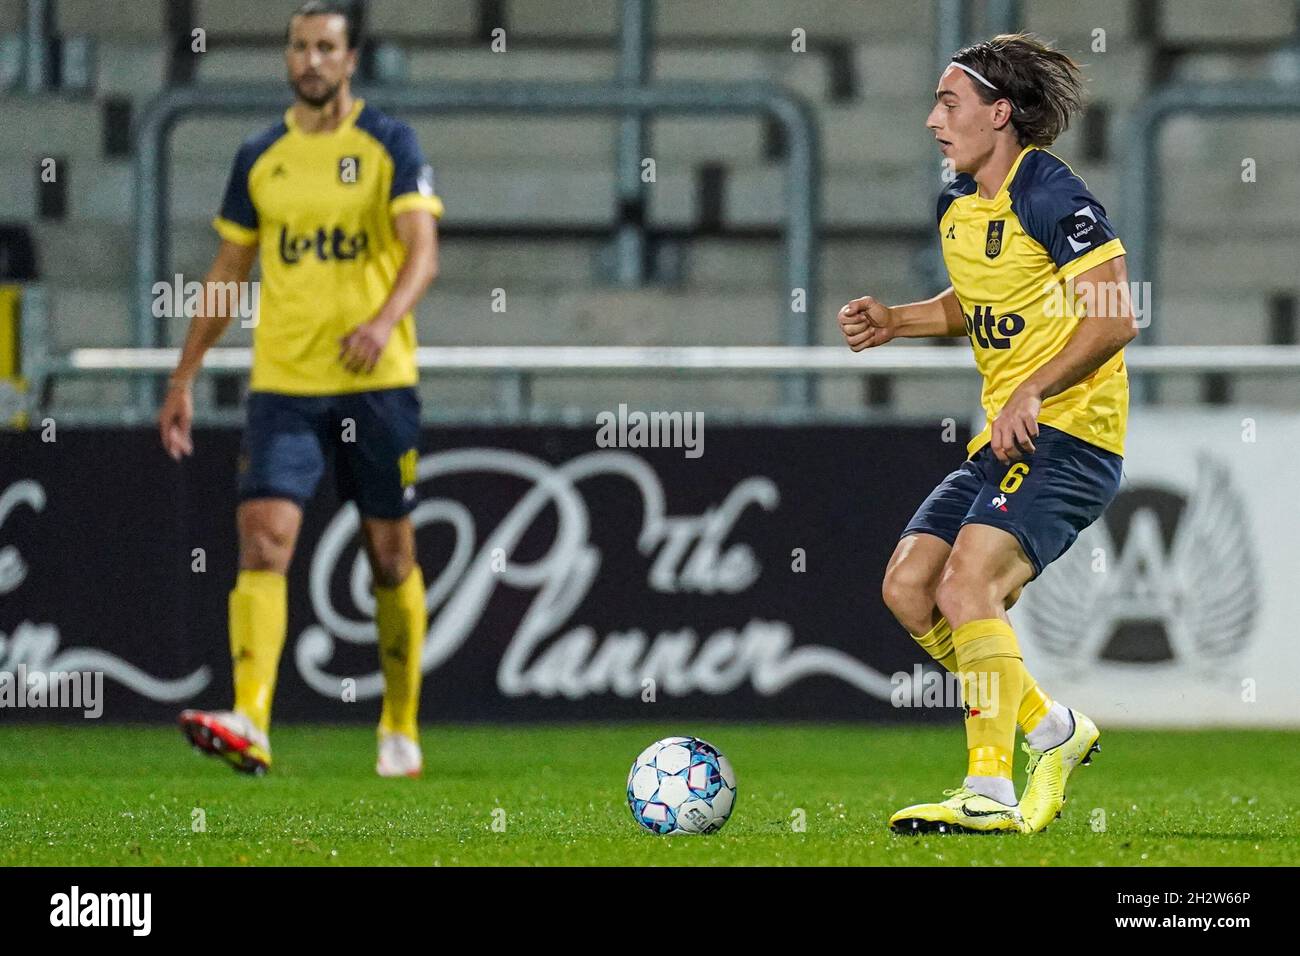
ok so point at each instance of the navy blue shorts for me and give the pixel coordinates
(1044, 499)
(370, 436)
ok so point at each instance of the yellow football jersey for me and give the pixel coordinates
(1009, 258)
(320, 206)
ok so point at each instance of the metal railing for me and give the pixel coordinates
(635, 52)
(743, 359)
(529, 361)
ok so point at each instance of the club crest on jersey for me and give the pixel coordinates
(993, 242)
(349, 169)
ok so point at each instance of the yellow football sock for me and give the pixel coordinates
(259, 616)
(992, 680)
(1034, 704)
(401, 620)
(937, 642)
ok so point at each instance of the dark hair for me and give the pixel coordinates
(1043, 85)
(349, 11)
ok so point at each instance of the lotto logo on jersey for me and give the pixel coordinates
(991, 333)
(328, 245)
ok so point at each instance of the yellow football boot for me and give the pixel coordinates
(965, 811)
(1049, 771)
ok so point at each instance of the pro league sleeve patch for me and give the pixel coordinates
(424, 182)
(1084, 229)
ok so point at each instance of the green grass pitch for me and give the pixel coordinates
(111, 795)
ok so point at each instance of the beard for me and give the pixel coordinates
(316, 100)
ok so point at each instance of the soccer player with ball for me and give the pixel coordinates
(339, 205)
(1039, 285)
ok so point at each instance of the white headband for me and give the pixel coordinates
(963, 67)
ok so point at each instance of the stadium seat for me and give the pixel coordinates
(416, 19)
(240, 65)
(1186, 319)
(18, 198)
(1059, 19)
(1198, 263)
(879, 131)
(12, 18)
(473, 139)
(526, 64)
(251, 18)
(133, 68)
(50, 125)
(1206, 20)
(133, 20)
(822, 19)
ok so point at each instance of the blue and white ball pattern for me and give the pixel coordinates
(681, 785)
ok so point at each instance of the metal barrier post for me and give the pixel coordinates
(1001, 16)
(634, 72)
(34, 342)
(36, 36)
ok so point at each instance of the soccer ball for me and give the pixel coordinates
(681, 785)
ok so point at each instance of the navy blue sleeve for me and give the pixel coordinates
(411, 174)
(237, 206)
(1057, 209)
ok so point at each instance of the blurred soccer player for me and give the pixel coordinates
(1040, 287)
(339, 206)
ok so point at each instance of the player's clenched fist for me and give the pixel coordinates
(866, 323)
(174, 421)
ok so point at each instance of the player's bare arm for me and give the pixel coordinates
(360, 349)
(1100, 334)
(867, 322)
(233, 263)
